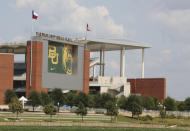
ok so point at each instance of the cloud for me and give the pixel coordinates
(114, 65)
(1, 40)
(165, 52)
(163, 57)
(177, 20)
(68, 16)
(176, 4)
(186, 49)
(18, 39)
(187, 64)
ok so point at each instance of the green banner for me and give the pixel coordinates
(60, 58)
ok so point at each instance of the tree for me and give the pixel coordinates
(9, 94)
(16, 106)
(156, 104)
(45, 99)
(83, 98)
(81, 110)
(134, 104)
(181, 106)
(112, 109)
(170, 104)
(98, 100)
(57, 97)
(148, 103)
(136, 109)
(91, 102)
(50, 110)
(122, 102)
(70, 98)
(34, 99)
(105, 97)
(187, 104)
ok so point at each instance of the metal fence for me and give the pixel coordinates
(103, 111)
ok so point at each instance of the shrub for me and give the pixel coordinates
(26, 109)
(146, 118)
(172, 116)
(181, 117)
(4, 109)
(50, 110)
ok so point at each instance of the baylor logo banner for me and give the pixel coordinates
(60, 58)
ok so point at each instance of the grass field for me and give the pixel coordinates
(61, 119)
(41, 128)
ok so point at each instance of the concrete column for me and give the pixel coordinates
(122, 63)
(101, 63)
(142, 74)
(94, 71)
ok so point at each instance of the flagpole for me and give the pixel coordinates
(86, 32)
(31, 52)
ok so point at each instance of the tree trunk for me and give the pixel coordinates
(116, 119)
(50, 117)
(17, 115)
(82, 118)
(33, 108)
(138, 116)
(58, 108)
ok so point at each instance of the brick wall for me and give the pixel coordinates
(86, 71)
(36, 83)
(6, 74)
(154, 87)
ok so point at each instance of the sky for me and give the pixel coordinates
(162, 24)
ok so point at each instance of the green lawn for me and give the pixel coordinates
(90, 118)
(41, 128)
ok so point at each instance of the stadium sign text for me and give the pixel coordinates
(51, 36)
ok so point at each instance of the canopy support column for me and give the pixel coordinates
(101, 62)
(94, 71)
(142, 74)
(122, 62)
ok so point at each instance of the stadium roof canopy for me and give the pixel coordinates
(92, 45)
(19, 48)
(113, 44)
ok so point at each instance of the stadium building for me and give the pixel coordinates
(58, 62)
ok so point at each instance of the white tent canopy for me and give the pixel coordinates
(23, 100)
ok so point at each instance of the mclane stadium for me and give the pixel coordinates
(58, 62)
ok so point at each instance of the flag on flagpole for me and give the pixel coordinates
(34, 15)
(88, 28)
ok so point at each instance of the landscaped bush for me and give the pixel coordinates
(26, 109)
(146, 118)
(181, 117)
(4, 109)
(171, 116)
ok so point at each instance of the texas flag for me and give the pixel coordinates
(34, 15)
(88, 28)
